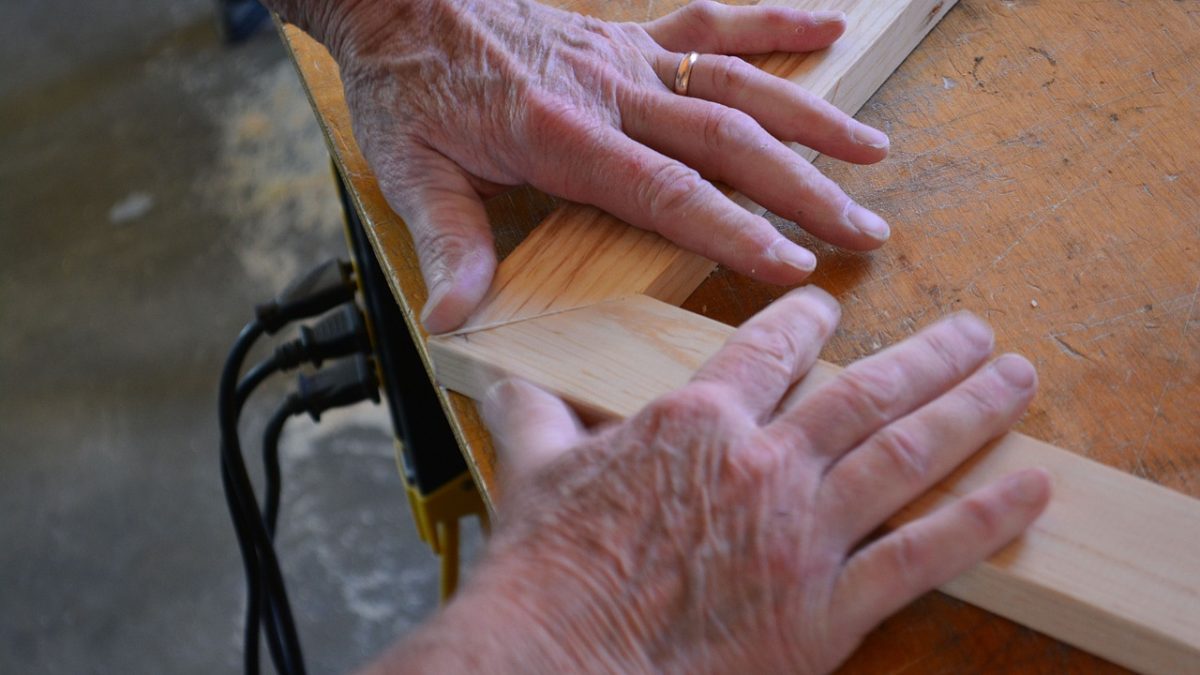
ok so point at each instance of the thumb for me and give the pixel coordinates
(531, 427)
(453, 238)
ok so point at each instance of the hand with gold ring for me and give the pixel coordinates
(683, 72)
(454, 101)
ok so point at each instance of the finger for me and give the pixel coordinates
(772, 350)
(450, 231)
(714, 27)
(656, 193)
(727, 145)
(531, 426)
(871, 393)
(905, 458)
(922, 555)
(786, 110)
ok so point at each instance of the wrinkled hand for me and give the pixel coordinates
(456, 100)
(722, 531)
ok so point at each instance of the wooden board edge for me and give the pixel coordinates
(459, 410)
(1108, 568)
(532, 279)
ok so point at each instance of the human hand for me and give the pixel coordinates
(456, 100)
(722, 530)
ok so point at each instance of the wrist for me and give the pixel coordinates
(348, 27)
(517, 617)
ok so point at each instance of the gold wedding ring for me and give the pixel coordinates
(683, 74)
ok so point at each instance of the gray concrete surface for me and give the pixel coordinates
(153, 186)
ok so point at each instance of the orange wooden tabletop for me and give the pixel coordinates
(1045, 174)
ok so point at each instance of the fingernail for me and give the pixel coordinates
(493, 391)
(974, 329)
(436, 292)
(793, 256)
(869, 136)
(827, 17)
(493, 400)
(868, 223)
(1016, 371)
(1029, 487)
(822, 296)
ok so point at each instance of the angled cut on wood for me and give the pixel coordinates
(1113, 566)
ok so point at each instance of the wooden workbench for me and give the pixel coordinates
(1044, 174)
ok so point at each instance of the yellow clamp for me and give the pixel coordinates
(437, 516)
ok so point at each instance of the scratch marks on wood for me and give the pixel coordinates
(1045, 54)
(1187, 317)
(1069, 350)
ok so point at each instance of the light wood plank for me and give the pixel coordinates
(579, 255)
(1113, 566)
(998, 121)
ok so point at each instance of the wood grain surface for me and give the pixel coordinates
(1044, 174)
(1112, 565)
(580, 255)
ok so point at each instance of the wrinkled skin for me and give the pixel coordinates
(456, 100)
(725, 528)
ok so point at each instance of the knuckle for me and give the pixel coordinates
(703, 14)
(843, 494)
(755, 463)
(945, 350)
(728, 129)
(733, 364)
(700, 400)
(729, 74)
(774, 347)
(599, 27)
(910, 458)
(697, 410)
(986, 401)
(874, 390)
(708, 399)
(550, 116)
(911, 557)
(985, 518)
(441, 247)
(670, 189)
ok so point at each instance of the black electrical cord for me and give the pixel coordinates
(270, 450)
(258, 554)
(241, 526)
(341, 332)
(254, 377)
(255, 598)
(346, 382)
(273, 489)
(261, 598)
(321, 288)
(250, 568)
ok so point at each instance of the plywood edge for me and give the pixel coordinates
(1112, 567)
(580, 256)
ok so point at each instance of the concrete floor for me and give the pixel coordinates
(153, 186)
